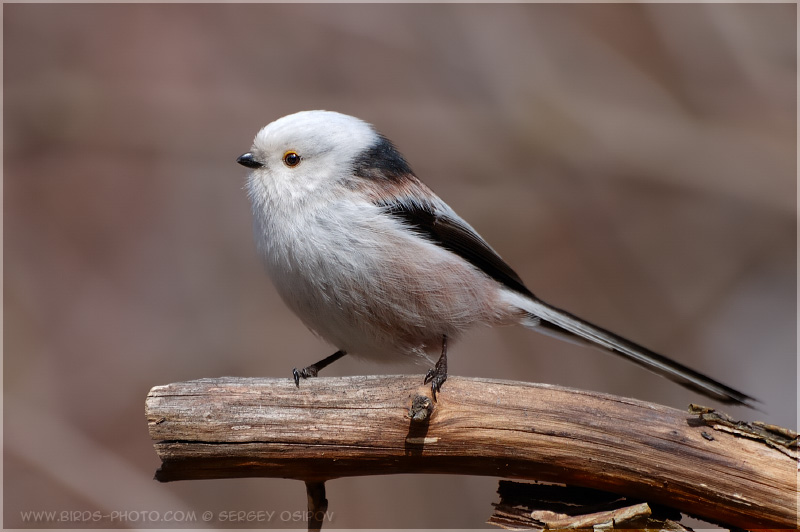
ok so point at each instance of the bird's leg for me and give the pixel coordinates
(313, 369)
(438, 374)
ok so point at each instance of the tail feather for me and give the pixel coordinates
(556, 322)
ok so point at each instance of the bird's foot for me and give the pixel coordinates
(312, 370)
(305, 373)
(438, 374)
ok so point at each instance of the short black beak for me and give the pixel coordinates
(248, 161)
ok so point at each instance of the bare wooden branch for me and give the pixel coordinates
(335, 427)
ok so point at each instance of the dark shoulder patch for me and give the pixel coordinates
(454, 236)
(381, 161)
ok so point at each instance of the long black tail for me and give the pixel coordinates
(550, 320)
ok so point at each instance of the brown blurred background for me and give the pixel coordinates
(634, 163)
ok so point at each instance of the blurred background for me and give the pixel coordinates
(635, 164)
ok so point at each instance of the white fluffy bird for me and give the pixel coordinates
(378, 265)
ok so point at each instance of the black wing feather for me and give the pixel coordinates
(454, 236)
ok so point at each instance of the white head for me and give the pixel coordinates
(309, 151)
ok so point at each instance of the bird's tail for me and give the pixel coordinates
(553, 321)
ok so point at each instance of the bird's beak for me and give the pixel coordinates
(248, 161)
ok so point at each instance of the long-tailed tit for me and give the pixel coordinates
(378, 265)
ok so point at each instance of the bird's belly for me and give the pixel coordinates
(379, 294)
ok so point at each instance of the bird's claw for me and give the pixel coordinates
(304, 373)
(436, 377)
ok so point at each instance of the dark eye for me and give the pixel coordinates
(291, 159)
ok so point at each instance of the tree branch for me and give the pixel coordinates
(335, 427)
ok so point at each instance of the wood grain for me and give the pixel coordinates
(352, 426)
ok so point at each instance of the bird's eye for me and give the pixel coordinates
(291, 159)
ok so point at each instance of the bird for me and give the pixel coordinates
(374, 262)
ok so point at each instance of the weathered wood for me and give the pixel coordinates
(352, 426)
(526, 506)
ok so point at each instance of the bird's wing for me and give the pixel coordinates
(436, 222)
(384, 175)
